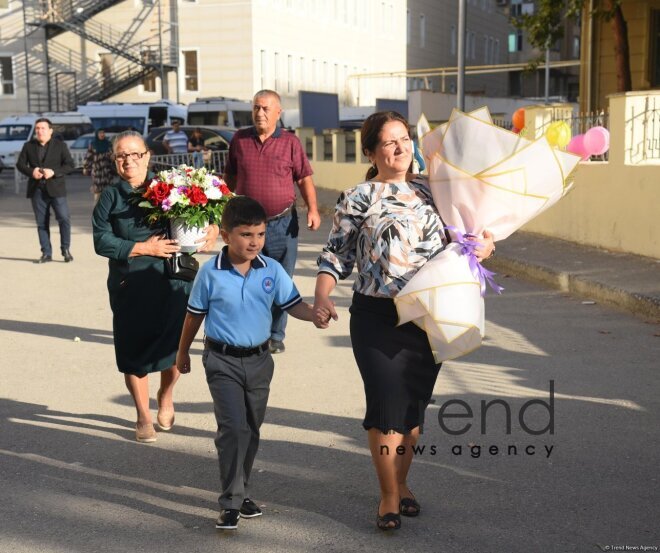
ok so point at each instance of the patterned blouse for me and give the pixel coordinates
(390, 230)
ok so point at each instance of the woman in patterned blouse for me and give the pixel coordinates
(388, 226)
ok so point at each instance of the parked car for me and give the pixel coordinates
(216, 138)
(81, 145)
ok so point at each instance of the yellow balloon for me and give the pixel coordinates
(558, 134)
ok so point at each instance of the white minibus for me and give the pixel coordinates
(226, 112)
(16, 130)
(141, 117)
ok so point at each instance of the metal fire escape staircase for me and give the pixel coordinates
(132, 61)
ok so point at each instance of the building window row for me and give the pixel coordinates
(299, 72)
(6, 76)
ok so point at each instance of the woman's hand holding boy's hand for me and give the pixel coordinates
(324, 310)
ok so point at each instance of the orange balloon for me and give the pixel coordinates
(518, 118)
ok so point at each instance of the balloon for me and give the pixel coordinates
(518, 118)
(558, 134)
(576, 146)
(597, 141)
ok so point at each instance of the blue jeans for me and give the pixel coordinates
(41, 204)
(198, 160)
(282, 245)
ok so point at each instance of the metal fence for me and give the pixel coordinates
(213, 161)
(643, 132)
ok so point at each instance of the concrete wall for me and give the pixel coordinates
(613, 205)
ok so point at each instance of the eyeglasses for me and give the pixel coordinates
(133, 155)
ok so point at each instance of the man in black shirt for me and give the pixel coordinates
(46, 160)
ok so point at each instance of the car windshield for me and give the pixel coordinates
(14, 132)
(82, 142)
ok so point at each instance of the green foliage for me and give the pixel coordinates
(546, 25)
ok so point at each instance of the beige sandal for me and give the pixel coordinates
(145, 433)
(164, 417)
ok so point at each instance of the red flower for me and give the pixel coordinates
(196, 196)
(225, 189)
(159, 192)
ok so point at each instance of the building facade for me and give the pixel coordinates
(432, 42)
(82, 50)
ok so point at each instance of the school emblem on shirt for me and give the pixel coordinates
(267, 284)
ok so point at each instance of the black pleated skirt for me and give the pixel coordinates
(396, 364)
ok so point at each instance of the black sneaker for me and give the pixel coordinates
(249, 509)
(44, 259)
(276, 346)
(228, 519)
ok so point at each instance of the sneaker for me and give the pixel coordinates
(276, 346)
(228, 519)
(44, 259)
(249, 509)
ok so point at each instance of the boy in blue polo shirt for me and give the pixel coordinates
(235, 292)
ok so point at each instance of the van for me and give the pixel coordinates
(16, 130)
(141, 117)
(225, 112)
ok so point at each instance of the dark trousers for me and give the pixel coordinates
(41, 204)
(282, 245)
(239, 387)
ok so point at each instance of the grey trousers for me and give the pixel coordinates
(239, 387)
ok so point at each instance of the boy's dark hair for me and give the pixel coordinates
(242, 210)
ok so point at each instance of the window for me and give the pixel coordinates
(654, 44)
(149, 82)
(422, 31)
(516, 41)
(453, 40)
(497, 50)
(264, 64)
(576, 47)
(190, 70)
(289, 73)
(6, 76)
(485, 50)
(408, 26)
(492, 50)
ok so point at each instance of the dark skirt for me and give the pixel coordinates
(396, 364)
(148, 312)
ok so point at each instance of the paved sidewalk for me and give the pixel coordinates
(578, 476)
(629, 282)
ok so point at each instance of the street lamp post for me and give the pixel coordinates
(460, 79)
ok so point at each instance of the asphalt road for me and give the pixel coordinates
(72, 478)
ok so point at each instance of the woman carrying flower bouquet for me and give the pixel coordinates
(148, 307)
(99, 164)
(389, 227)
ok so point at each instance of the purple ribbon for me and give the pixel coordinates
(480, 273)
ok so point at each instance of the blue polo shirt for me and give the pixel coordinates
(237, 307)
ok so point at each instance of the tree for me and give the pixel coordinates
(545, 27)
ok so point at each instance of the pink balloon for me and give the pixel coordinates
(576, 146)
(597, 141)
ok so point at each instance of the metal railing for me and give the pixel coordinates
(643, 132)
(213, 161)
(20, 179)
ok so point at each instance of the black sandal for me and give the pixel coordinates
(383, 522)
(409, 507)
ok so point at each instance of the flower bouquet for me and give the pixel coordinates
(189, 199)
(482, 177)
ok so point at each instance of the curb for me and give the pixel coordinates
(641, 305)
